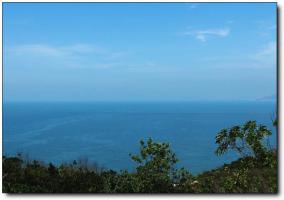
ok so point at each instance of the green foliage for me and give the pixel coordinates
(155, 170)
(245, 175)
(247, 140)
(255, 171)
(35, 177)
(275, 122)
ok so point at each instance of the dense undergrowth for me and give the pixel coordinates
(255, 172)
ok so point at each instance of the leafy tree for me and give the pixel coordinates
(275, 122)
(155, 170)
(247, 140)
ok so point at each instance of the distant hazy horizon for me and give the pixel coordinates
(274, 100)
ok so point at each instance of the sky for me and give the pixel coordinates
(139, 51)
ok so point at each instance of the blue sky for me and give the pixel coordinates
(139, 51)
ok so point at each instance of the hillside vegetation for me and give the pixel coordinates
(255, 171)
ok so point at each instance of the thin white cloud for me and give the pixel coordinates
(264, 58)
(53, 51)
(202, 35)
(272, 27)
(83, 48)
(230, 21)
(74, 56)
(71, 56)
(116, 55)
(267, 55)
(270, 49)
(265, 28)
(193, 5)
(34, 49)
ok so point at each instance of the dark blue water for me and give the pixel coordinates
(107, 132)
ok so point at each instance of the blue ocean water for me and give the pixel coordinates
(106, 133)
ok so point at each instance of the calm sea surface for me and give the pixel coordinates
(107, 132)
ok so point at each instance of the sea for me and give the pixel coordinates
(105, 133)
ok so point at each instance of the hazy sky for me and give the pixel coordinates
(139, 51)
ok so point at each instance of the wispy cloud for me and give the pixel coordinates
(270, 49)
(267, 55)
(230, 21)
(54, 51)
(272, 27)
(263, 58)
(203, 35)
(265, 28)
(193, 5)
(72, 56)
